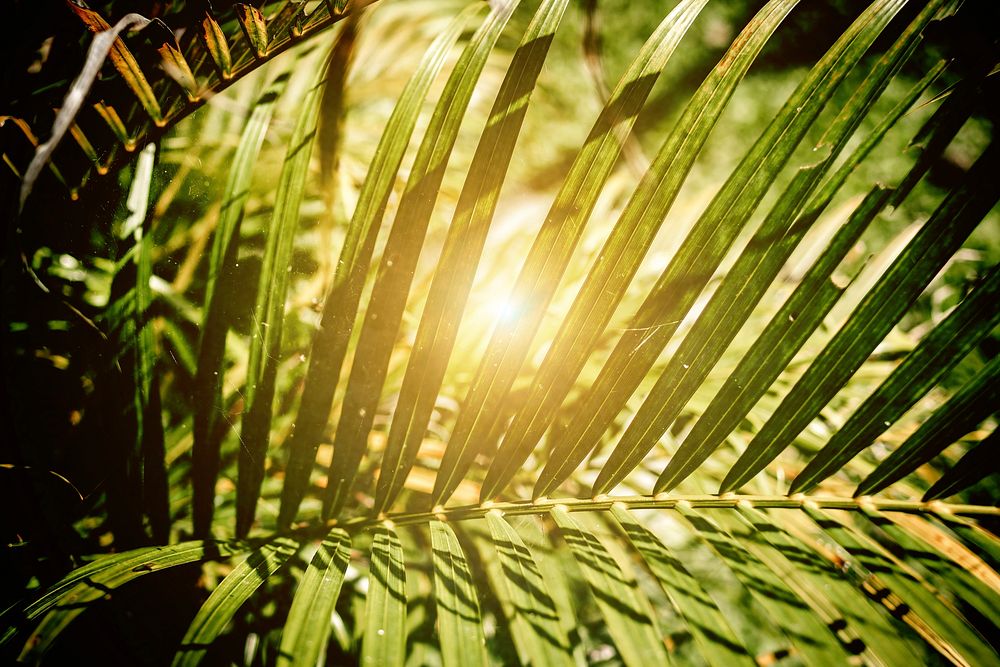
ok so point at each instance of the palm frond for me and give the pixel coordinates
(448, 483)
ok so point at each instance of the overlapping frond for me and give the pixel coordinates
(832, 591)
(170, 66)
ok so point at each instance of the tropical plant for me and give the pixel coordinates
(519, 393)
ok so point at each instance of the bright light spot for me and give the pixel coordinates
(492, 305)
(504, 310)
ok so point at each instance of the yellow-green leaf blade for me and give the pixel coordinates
(460, 626)
(815, 641)
(716, 640)
(626, 611)
(211, 350)
(874, 317)
(452, 282)
(535, 621)
(936, 354)
(548, 258)
(340, 308)
(973, 403)
(384, 640)
(947, 630)
(862, 624)
(229, 596)
(399, 259)
(947, 574)
(269, 311)
(308, 626)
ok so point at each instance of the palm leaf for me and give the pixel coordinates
(68, 598)
(341, 305)
(784, 577)
(625, 248)
(963, 588)
(938, 352)
(864, 627)
(385, 612)
(392, 283)
(213, 329)
(226, 599)
(973, 467)
(705, 245)
(715, 638)
(961, 414)
(881, 308)
(308, 627)
(529, 606)
(265, 345)
(550, 254)
(626, 611)
(946, 628)
(459, 620)
(450, 289)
